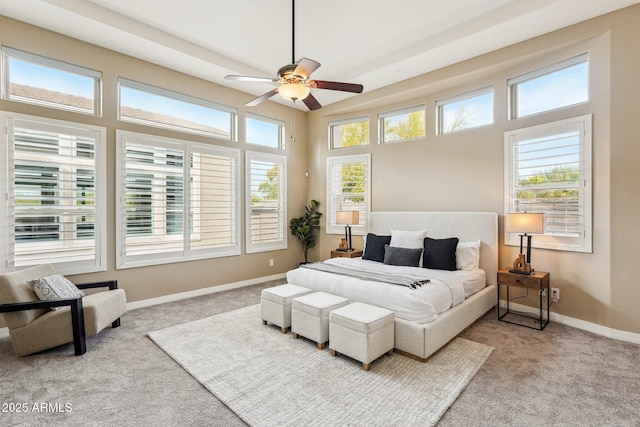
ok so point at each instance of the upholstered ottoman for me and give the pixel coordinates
(275, 304)
(310, 315)
(361, 331)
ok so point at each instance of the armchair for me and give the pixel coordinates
(34, 327)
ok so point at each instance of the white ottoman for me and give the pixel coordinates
(310, 315)
(361, 331)
(275, 304)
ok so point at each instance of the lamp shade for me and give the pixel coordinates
(525, 222)
(294, 91)
(347, 217)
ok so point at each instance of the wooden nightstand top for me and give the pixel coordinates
(537, 280)
(344, 254)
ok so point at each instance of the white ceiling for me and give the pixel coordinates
(372, 42)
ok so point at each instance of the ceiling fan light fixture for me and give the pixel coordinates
(294, 91)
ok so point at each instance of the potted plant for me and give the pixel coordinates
(305, 227)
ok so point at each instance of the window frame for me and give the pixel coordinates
(332, 124)
(382, 116)
(176, 96)
(331, 226)
(98, 262)
(187, 251)
(60, 66)
(513, 82)
(582, 124)
(281, 145)
(441, 103)
(282, 242)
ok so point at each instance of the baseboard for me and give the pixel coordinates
(579, 324)
(200, 292)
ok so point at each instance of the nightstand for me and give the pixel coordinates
(345, 254)
(538, 281)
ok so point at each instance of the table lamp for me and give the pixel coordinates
(524, 222)
(347, 218)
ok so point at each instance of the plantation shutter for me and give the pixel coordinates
(549, 172)
(266, 181)
(178, 200)
(55, 204)
(348, 189)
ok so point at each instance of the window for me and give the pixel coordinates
(55, 183)
(402, 125)
(178, 200)
(548, 170)
(348, 189)
(349, 133)
(556, 86)
(47, 82)
(266, 179)
(153, 106)
(264, 131)
(465, 111)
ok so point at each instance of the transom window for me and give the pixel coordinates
(548, 170)
(349, 132)
(264, 131)
(56, 194)
(465, 111)
(402, 125)
(154, 106)
(556, 86)
(178, 200)
(44, 81)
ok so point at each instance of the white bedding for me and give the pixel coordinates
(422, 305)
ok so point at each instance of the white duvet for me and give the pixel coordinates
(446, 289)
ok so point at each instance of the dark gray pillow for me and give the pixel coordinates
(406, 257)
(440, 254)
(374, 249)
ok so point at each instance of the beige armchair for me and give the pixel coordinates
(34, 327)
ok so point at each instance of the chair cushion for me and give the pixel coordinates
(15, 287)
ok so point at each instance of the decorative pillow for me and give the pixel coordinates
(468, 255)
(55, 287)
(374, 248)
(440, 254)
(406, 257)
(408, 239)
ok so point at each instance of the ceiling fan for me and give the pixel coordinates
(294, 81)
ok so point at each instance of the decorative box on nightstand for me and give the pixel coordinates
(538, 281)
(346, 254)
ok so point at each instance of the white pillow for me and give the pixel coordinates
(55, 287)
(408, 239)
(468, 255)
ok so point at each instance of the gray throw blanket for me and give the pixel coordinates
(412, 282)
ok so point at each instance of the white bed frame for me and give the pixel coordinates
(420, 341)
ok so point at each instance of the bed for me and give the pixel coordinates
(429, 316)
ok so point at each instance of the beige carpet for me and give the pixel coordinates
(269, 379)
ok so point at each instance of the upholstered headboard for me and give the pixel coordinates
(466, 226)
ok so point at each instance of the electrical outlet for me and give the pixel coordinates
(271, 262)
(555, 294)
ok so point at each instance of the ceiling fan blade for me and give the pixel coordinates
(344, 87)
(305, 67)
(251, 79)
(261, 98)
(312, 103)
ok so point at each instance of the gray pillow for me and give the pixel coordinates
(55, 287)
(406, 257)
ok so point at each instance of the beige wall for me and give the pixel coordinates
(465, 170)
(149, 282)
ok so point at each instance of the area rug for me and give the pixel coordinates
(270, 379)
